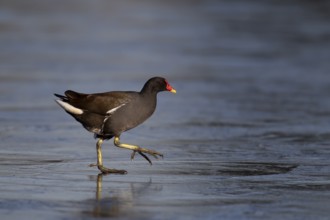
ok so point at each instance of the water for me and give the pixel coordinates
(246, 136)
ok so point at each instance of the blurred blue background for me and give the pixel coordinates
(246, 135)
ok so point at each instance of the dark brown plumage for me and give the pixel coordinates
(109, 114)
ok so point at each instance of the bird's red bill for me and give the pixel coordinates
(170, 88)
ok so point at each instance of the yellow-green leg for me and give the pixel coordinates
(137, 149)
(99, 164)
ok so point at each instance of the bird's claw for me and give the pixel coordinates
(150, 152)
(106, 170)
(142, 154)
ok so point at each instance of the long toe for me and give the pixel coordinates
(106, 170)
(154, 153)
(145, 157)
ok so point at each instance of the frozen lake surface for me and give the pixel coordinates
(246, 136)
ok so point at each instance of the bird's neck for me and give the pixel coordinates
(148, 92)
(149, 96)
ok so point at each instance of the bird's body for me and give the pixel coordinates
(109, 114)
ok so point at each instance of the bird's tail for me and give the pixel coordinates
(64, 103)
(62, 97)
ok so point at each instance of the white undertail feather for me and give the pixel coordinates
(69, 108)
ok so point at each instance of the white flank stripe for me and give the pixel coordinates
(115, 109)
(69, 108)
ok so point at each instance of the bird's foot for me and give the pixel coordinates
(141, 151)
(106, 170)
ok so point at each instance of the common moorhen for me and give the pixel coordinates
(109, 114)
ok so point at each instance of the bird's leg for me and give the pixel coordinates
(140, 150)
(99, 164)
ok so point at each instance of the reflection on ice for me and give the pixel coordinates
(117, 202)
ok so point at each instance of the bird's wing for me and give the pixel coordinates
(99, 103)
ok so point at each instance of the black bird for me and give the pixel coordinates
(109, 114)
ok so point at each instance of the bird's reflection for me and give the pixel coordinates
(119, 200)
